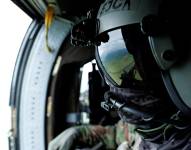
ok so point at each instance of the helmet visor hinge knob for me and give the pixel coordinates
(153, 25)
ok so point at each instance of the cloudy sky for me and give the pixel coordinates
(13, 26)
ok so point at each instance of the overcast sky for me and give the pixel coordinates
(13, 26)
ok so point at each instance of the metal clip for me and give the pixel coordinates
(11, 138)
(106, 105)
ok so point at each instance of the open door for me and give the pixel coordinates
(32, 87)
(30, 84)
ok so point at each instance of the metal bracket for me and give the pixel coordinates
(107, 106)
(11, 139)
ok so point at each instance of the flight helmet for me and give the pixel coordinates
(140, 56)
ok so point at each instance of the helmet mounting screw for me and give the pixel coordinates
(169, 55)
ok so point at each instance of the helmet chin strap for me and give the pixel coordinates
(128, 102)
(133, 105)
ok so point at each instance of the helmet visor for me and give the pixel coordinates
(114, 59)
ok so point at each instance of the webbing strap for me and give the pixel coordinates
(49, 15)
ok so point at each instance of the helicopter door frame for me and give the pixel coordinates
(30, 81)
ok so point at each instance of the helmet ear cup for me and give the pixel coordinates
(170, 46)
(160, 41)
(163, 51)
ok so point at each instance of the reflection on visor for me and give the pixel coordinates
(114, 56)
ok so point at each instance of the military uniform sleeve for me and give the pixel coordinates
(65, 140)
(88, 135)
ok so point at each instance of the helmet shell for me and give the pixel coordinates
(116, 13)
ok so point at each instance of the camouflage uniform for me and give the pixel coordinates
(120, 136)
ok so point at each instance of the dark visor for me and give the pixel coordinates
(114, 58)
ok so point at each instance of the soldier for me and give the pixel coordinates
(143, 53)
